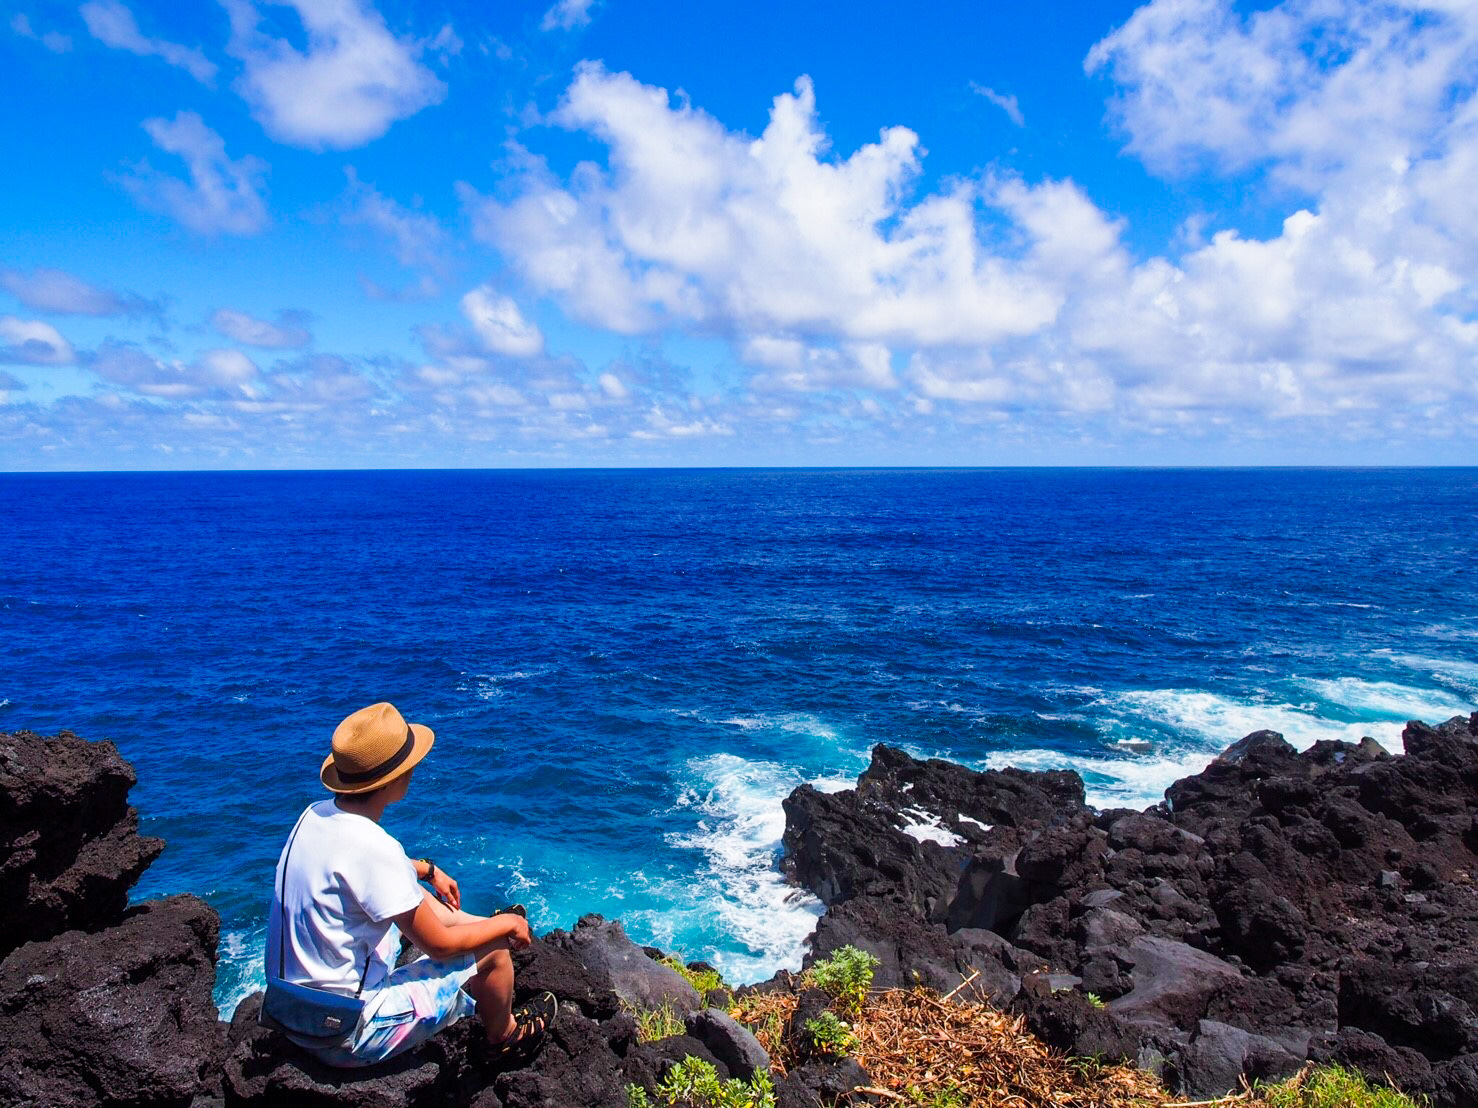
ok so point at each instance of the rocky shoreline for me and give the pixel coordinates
(1276, 908)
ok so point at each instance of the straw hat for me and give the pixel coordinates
(373, 747)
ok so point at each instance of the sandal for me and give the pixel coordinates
(531, 1023)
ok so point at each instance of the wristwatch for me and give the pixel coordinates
(430, 870)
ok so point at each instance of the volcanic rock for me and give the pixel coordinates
(123, 1016)
(69, 842)
(1277, 906)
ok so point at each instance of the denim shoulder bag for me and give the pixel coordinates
(326, 1017)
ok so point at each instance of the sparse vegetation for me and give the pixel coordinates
(1094, 999)
(656, 1023)
(846, 975)
(1331, 1087)
(936, 1052)
(705, 981)
(830, 1034)
(694, 1083)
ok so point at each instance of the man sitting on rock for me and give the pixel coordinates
(343, 881)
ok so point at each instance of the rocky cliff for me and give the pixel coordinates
(1277, 907)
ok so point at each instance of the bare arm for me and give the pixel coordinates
(435, 935)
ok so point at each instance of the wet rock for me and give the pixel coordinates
(123, 1016)
(69, 842)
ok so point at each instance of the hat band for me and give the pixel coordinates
(389, 765)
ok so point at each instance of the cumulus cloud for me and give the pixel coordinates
(54, 41)
(354, 79)
(288, 332)
(112, 24)
(699, 225)
(499, 324)
(31, 342)
(1309, 85)
(828, 270)
(567, 15)
(1006, 103)
(52, 290)
(221, 371)
(221, 195)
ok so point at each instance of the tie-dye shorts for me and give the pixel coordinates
(416, 1001)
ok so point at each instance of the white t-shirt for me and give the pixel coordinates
(345, 878)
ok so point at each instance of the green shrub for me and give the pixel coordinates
(1094, 999)
(694, 1083)
(846, 975)
(831, 1035)
(1332, 1087)
(705, 981)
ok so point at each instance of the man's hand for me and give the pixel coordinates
(447, 890)
(519, 935)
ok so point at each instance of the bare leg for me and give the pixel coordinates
(492, 988)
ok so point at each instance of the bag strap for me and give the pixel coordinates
(282, 912)
(282, 899)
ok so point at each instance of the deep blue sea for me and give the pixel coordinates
(627, 670)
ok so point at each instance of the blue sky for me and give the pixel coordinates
(345, 233)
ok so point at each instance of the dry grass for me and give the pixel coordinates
(924, 1049)
(941, 1052)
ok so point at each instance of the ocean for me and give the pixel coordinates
(628, 670)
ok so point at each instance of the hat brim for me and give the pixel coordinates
(329, 774)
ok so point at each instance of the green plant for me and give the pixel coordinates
(846, 975)
(831, 1035)
(694, 1083)
(1094, 999)
(705, 981)
(656, 1023)
(1332, 1087)
(951, 1096)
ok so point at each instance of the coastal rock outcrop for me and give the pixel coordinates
(1278, 906)
(69, 843)
(120, 1016)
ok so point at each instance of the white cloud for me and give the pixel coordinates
(567, 15)
(1309, 85)
(417, 238)
(500, 325)
(52, 290)
(613, 387)
(54, 41)
(352, 82)
(223, 372)
(287, 332)
(1006, 103)
(698, 225)
(221, 195)
(31, 342)
(112, 24)
(803, 368)
(826, 269)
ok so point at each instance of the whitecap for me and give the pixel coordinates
(765, 920)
